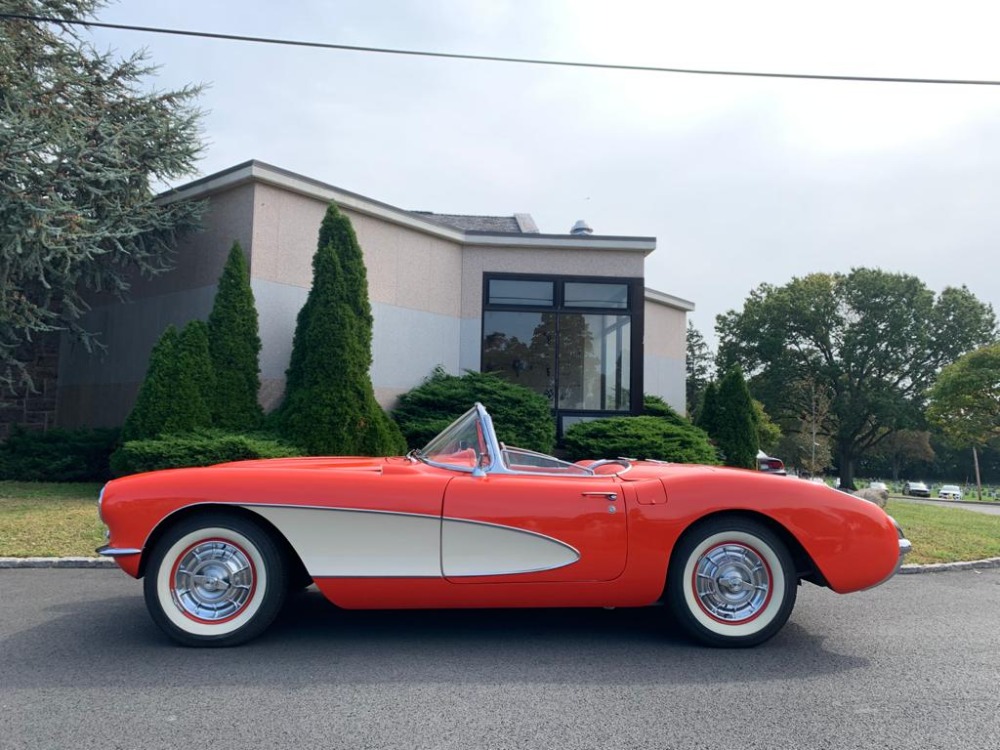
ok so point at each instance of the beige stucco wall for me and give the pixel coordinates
(406, 268)
(425, 290)
(664, 352)
(414, 285)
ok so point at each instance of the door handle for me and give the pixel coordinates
(612, 496)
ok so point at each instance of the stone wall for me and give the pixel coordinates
(33, 408)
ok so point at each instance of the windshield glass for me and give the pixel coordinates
(462, 445)
(529, 462)
(469, 444)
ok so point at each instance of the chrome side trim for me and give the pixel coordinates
(109, 551)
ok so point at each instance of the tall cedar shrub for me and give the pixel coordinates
(195, 380)
(174, 396)
(234, 345)
(736, 431)
(153, 404)
(329, 406)
(708, 415)
(521, 417)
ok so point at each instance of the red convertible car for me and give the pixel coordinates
(471, 522)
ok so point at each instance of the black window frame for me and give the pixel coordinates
(634, 309)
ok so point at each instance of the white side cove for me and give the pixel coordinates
(345, 543)
(471, 548)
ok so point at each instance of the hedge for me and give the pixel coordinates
(639, 437)
(58, 455)
(201, 448)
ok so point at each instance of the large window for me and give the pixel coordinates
(576, 340)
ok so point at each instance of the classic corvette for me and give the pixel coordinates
(471, 522)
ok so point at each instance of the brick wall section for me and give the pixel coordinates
(34, 409)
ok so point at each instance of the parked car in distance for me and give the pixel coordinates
(471, 522)
(950, 492)
(916, 489)
(770, 465)
(878, 486)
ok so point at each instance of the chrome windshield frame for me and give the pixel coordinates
(496, 450)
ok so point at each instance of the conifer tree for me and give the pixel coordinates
(85, 140)
(153, 404)
(330, 405)
(707, 417)
(195, 381)
(234, 345)
(736, 429)
(174, 396)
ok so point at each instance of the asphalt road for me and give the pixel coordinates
(913, 664)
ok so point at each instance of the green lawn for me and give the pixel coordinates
(61, 519)
(45, 520)
(946, 534)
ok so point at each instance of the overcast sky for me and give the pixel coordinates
(741, 180)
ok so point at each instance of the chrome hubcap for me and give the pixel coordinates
(732, 583)
(213, 581)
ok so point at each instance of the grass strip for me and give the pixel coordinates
(41, 519)
(946, 534)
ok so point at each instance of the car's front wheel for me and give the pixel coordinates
(731, 582)
(215, 580)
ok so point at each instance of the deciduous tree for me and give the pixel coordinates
(875, 340)
(965, 401)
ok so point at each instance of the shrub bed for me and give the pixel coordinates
(521, 417)
(58, 455)
(201, 448)
(639, 437)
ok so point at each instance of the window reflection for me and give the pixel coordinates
(521, 292)
(592, 351)
(594, 362)
(522, 347)
(593, 294)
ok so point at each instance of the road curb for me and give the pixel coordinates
(57, 562)
(989, 562)
(107, 562)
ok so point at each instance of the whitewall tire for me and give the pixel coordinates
(215, 580)
(731, 582)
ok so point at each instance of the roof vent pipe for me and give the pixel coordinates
(581, 227)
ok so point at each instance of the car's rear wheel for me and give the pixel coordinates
(731, 582)
(215, 580)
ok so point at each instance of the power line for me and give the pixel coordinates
(496, 58)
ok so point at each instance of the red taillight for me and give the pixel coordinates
(774, 464)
